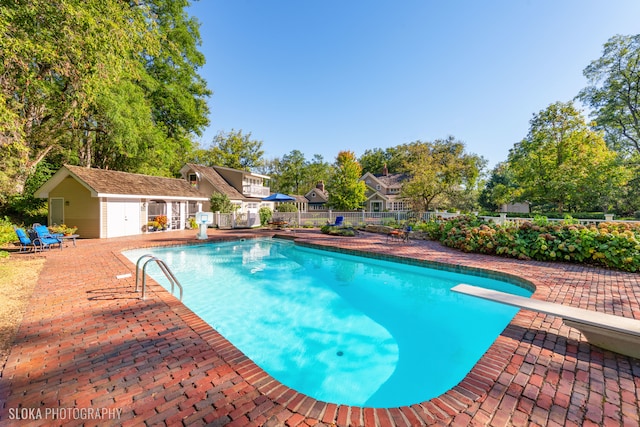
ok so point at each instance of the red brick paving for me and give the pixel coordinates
(87, 341)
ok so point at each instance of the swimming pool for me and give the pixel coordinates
(337, 327)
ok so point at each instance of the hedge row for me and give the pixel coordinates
(609, 244)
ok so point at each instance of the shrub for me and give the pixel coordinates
(613, 245)
(286, 207)
(333, 230)
(265, 215)
(7, 235)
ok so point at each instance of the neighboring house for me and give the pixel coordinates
(244, 189)
(317, 198)
(383, 191)
(105, 203)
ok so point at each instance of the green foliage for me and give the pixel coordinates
(7, 234)
(221, 203)
(563, 162)
(612, 245)
(432, 228)
(500, 189)
(346, 191)
(98, 83)
(265, 215)
(441, 173)
(286, 207)
(232, 150)
(293, 176)
(333, 230)
(374, 160)
(614, 92)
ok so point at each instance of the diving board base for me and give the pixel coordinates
(615, 341)
(615, 333)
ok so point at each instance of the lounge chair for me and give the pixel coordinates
(44, 238)
(25, 242)
(339, 221)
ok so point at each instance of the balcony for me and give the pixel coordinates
(255, 191)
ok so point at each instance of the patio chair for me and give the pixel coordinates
(405, 233)
(25, 242)
(339, 221)
(44, 238)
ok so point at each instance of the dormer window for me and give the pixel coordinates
(193, 179)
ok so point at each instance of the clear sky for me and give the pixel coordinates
(322, 76)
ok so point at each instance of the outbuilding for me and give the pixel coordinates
(106, 203)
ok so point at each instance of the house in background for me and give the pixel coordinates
(244, 189)
(105, 203)
(383, 191)
(317, 198)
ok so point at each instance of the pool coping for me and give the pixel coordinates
(506, 384)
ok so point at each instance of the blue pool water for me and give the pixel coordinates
(340, 328)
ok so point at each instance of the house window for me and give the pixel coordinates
(378, 187)
(193, 179)
(313, 194)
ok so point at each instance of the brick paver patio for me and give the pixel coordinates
(88, 348)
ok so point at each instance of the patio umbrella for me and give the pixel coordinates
(278, 197)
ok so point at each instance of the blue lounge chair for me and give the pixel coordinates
(339, 221)
(25, 242)
(44, 238)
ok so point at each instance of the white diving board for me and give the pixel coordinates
(615, 333)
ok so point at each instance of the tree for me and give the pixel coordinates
(53, 72)
(563, 161)
(346, 191)
(102, 83)
(374, 160)
(293, 175)
(614, 92)
(233, 150)
(440, 172)
(500, 189)
(221, 203)
(317, 170)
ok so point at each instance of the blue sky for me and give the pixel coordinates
(322, 76)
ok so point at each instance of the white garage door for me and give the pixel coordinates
(123, 217)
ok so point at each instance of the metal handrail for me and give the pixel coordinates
(163, 267)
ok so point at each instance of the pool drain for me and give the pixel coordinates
(340, 353)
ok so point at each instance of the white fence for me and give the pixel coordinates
(359, 218)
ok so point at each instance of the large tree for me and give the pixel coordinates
(58, 59)
(293, 173)
(500, 189)
(346, 191)
(232, 150)
(441, 173)
(374, 160)
(614, 92)
(106, 83)
(563, 162)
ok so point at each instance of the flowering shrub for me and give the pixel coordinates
(63, 229)
(614, 245)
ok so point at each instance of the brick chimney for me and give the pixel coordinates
(385, 171)
(320, 185)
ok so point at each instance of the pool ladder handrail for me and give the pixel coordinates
(163, 267)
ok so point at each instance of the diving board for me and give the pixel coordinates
(615, 333)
